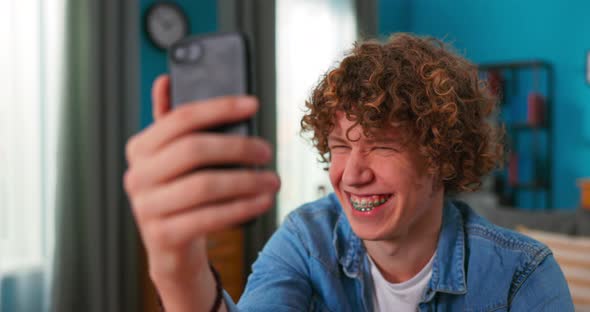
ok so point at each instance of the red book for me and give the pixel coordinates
(513, 169)
(535, 108)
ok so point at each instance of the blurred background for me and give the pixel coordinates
(76, 83)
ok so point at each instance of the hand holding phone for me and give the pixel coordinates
(177, 199)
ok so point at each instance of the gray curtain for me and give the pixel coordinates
(95, 266)
(366, 18)
(256, 19)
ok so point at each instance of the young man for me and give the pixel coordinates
(401, 125)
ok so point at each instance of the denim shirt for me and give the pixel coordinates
(315, 262)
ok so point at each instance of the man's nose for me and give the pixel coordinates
(357, 171)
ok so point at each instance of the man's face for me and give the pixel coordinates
(383, 185)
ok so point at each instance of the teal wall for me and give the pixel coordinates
(393, 16)
(506, 30)
(202, 16)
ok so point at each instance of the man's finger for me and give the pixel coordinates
(198, 151)
(202, 188)
(195, 116)
(182, 228)
(161, 96)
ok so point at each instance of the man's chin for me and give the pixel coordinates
(375, 232)
(366, 233)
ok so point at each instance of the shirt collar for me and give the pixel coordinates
(349, 247)
(448, 269)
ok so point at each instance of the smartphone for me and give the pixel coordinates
(212, 65)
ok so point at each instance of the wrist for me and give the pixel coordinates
(198, 294)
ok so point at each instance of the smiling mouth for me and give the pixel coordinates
(367, 203)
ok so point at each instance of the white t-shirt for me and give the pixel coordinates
(403, 296)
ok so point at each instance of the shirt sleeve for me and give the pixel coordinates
(229, 303)
(544, 290)
(280, 276)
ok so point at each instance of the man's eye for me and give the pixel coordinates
(338, 146)
(385, 148)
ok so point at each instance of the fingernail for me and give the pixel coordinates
(247, 102)
(271, 179)
(264, 151)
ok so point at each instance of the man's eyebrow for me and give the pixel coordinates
(336, 138)
(384, 140)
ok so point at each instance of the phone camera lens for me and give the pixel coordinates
(180, 53)
(194, 52)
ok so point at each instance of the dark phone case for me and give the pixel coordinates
(221, 68)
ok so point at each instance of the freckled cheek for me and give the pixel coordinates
(390, 173)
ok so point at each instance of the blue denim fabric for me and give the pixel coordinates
(314, 262)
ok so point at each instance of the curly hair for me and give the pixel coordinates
(420, 85)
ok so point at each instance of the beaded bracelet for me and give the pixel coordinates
(218, 289)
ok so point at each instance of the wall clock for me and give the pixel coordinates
(165, 23)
